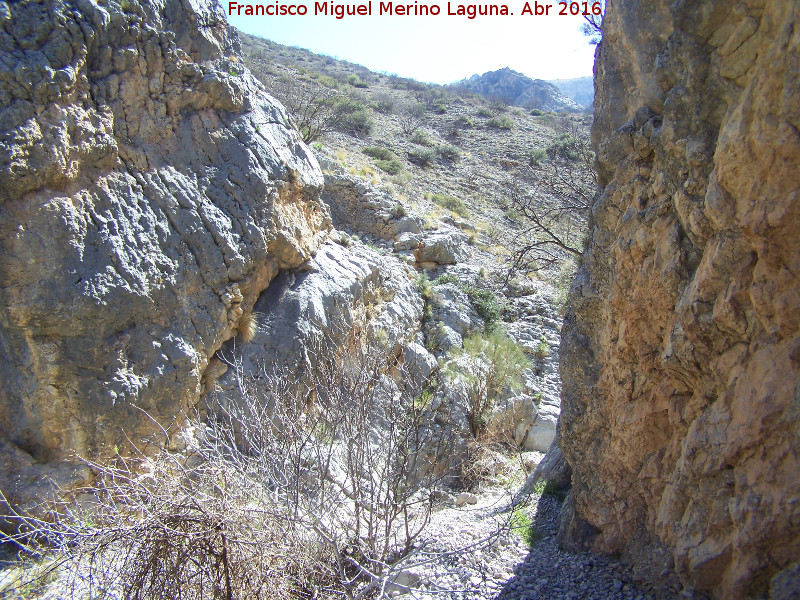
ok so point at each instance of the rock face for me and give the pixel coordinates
(515, 88)
(149, 191)
(340, 291)
(358, 206)
(681, 361)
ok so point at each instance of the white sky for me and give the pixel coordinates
(437, 49)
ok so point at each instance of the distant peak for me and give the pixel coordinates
(513, 87)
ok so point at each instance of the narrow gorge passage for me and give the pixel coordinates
(276, 325)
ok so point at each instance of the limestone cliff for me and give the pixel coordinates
(681, 356)
(149, 191)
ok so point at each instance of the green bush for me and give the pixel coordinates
(447, 278)
(536, 112)
(392, 167)
(352, 118)
(512, 215)
(383, 103)
(439, 107)
(325, 80)
(401, 178)
(564, 146)
(421, 138)
(488, 306)
(424, 286)
(542, 349)
(501, 364)
(537, 157)
(378, 152)
(421, 156)
(486, 303)
(448, 152)
(464, 121)
(355, 81)
(521, 522)
(501, 122)
(451, 203)
(484, 112)
(398, 211)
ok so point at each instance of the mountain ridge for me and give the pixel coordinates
(513, 87)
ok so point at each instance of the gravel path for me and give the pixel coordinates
(504, 568)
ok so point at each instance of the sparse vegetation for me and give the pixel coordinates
(451, 203)
(464, 121)
(411, 116)
(383, 103)
(501, 122)
(422, 157)
(552, 199)
(421, 138)
(448, 152)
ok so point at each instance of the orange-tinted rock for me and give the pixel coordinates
(681, 355)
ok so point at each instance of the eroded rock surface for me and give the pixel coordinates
(341, 292)
(149, 191)
(357, 206)
(681, 360)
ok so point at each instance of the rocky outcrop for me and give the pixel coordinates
(513, 87)
(149, 191)
(357, 206)
(681, 356)
(342, 291)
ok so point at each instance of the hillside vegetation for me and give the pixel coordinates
(445, 152)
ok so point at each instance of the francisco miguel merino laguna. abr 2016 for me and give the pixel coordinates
(339, 11)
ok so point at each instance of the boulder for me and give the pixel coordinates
(305, 313)
(150, 189)
(358, 206)
(445, 246)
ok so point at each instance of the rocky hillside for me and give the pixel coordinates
(450, 155)
(152, 190)
(149, 192)
(680, 360)
(580, 89)
(515, 88)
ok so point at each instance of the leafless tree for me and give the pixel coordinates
(411, 116)
(552, 199)
(592, 25)
(313, 107)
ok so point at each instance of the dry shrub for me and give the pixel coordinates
(163, 528)
(486, 462)
(248, 326)
(299, 486)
